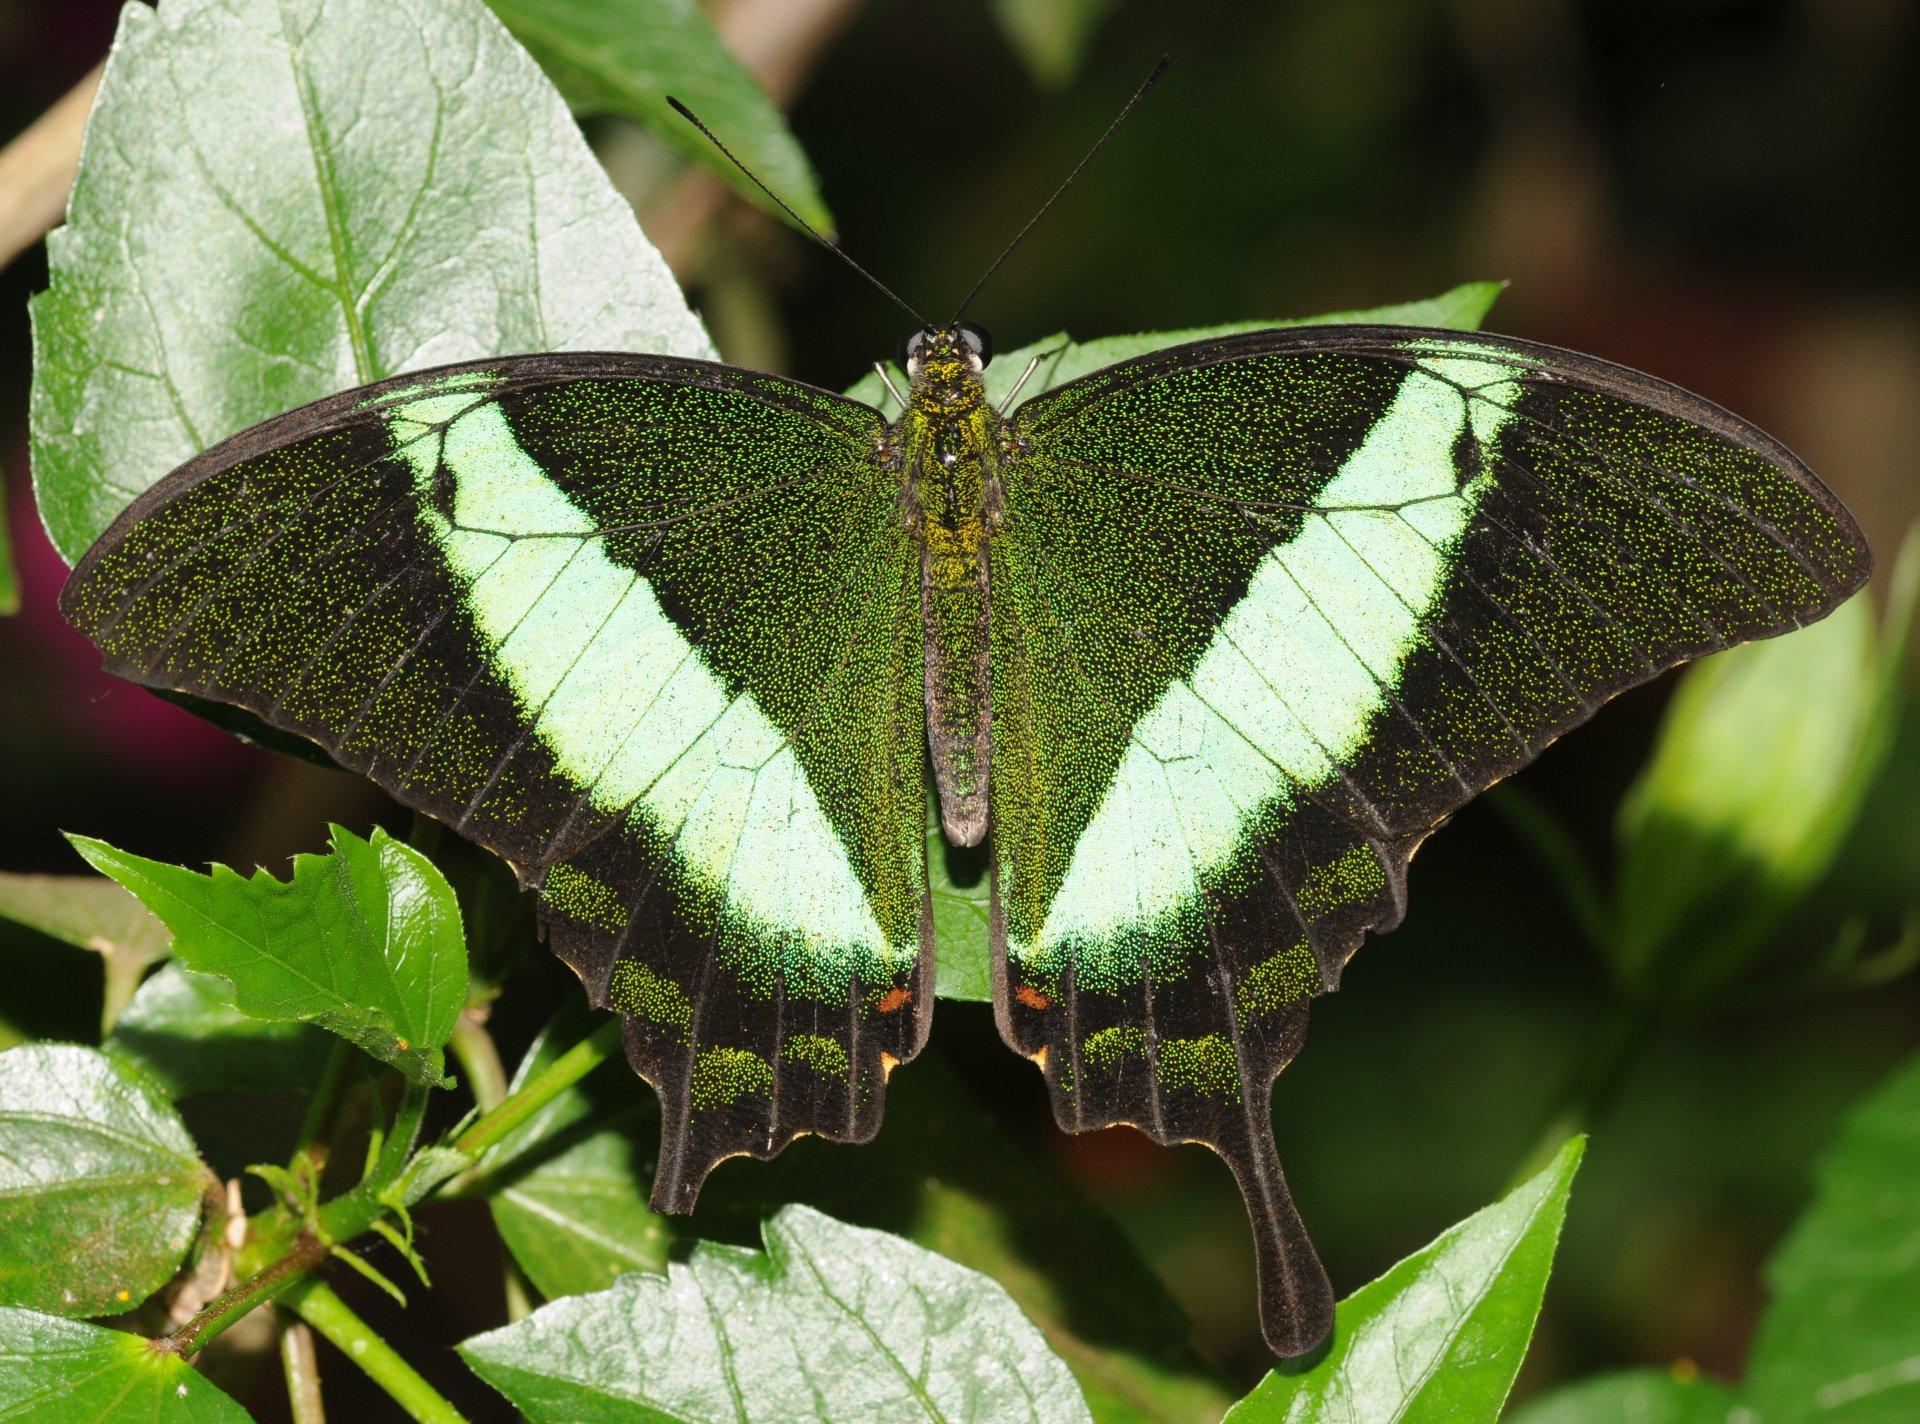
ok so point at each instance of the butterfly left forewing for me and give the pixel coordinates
(644, 627)
(1266, 611)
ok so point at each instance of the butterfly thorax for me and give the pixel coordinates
(948, 439)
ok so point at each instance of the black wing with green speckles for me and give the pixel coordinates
(644, 627)
(1265, 611)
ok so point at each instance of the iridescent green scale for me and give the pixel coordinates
(1206, 642)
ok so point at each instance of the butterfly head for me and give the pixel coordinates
(945, 362)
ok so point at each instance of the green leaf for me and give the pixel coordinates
(93, 913)
(1062, 359)
(833, 1321)
(942, 1173)
(1841, 1341)
(1441, 1335)
(348, 189)
(626, 56)
(364, 942)
(1764, 758)
(1639, 1396)
(1050, 36)
(183, 1031)
(569, 1186)
(100, 1185)
(945, 1173)
(56, 1371)
(957, 881)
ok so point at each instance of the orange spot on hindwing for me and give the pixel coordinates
(895, 999)
(1032, 997)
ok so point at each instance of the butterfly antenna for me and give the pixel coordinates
(1019, 237)
(684, 112)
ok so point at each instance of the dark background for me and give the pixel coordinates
(1720, 193)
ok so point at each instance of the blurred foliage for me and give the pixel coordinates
(1837, 1339)
(1050, 36)
(1763, 761)
(1700, 191)
(91, 912)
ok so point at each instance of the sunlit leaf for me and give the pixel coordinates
(90, 912)
(100, 1185)
(947, 1174)
(1763, 760)
(1441, 1335)
(626, 56)
(183, 1031)
(345, 189)
(56, 1371)
(832, 1321)
(1840, 1342)
(364, 941)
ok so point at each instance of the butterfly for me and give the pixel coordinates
(1203, 644)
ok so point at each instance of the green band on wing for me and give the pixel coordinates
(630, 711)
(1287, 689)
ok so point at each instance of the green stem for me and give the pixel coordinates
(306, 1252)
(546, 1085)
(473, 1046)
(354, 1212)
(397, 1146)
(314, 1302)
(302, 1368)
(324, 1107)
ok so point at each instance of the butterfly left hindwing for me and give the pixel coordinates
(1267, 610)
(645, 627)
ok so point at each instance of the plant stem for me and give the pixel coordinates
(314, 1302)
(324, 1107)
(473, 1046)
(354, 1212)
(306, 1252)
(302, 1368)
(566, 1070)
(397, 1146)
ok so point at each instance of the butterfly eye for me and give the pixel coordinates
(977, 341)
(910, 345)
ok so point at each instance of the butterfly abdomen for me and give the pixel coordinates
(946, 437)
